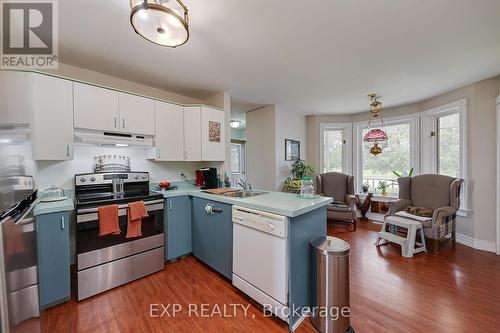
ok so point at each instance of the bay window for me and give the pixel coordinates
(432, 141)
(400, 156)
(336, 151)
(396, 157)
(444, 141)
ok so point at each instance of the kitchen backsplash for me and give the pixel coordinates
(61, 173)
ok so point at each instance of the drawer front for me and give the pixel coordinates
(97, 279)
(97, 257)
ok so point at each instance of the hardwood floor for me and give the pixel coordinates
(455, 291)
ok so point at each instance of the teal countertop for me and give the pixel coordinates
(55, 206)
(286, 204)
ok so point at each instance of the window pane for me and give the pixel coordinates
(333, 150)
(396, 157)
(235, 158)
(449, 145)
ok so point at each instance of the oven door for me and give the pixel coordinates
(93, 250)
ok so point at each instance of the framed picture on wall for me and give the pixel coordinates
(292, 150)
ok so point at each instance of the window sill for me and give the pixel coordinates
(379, 197)
(464, 213)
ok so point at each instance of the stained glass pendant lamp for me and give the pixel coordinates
(163, 22)
(375, 139)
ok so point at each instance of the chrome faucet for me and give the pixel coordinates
(245, 185)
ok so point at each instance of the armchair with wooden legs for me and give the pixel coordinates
(340, 187)
(437, 192)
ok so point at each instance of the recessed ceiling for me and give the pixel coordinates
(316, 56)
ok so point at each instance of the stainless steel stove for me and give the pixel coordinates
(105, 262)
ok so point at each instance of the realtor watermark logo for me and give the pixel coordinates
(29, 34)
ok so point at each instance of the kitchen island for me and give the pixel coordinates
(212, 240)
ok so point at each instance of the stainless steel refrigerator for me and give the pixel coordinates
(19, 298)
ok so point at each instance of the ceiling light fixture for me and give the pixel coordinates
(376, 139)
(163, 22)
(235, 123)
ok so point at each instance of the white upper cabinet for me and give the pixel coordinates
(137, 114)
(108, 110)
(213, 139)
(51, 119)
(192, 133)
(15, 97)
(96, 108)
(169, 133)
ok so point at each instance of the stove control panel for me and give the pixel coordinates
(107, 178)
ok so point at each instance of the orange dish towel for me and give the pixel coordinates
(137, 211)
(108, 220)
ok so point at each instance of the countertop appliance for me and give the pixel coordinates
(53, 193)
(199, 178)
(210, 179)
(105, 262)
(111, 163)
(260, 257)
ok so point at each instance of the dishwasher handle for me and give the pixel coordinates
(269, 223)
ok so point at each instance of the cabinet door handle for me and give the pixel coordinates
(170, 205)
(67, 150)
(208, 209)
(217, 210)
(159, 153)
(123, 123)
(62, 223)
(115, 122)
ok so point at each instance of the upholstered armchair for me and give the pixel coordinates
(437, 192)
(340, 187)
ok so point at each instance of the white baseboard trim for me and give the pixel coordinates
(477, 244)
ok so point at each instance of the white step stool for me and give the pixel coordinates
(407, 244)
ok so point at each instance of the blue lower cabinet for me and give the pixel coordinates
(213, 235)
(53, 258)
(179, 235)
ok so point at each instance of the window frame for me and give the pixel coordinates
(240, 163)
(346, 129)
(412, 120)
(430, 151)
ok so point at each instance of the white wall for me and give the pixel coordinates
(89, 76)
(261, 148)
(266, 131)
(289, 125)
(62, 173)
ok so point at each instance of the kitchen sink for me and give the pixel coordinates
(244, 194)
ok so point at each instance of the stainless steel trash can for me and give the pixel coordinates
(330, 311)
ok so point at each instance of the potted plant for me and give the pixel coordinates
(399, 174)
(382, 186)
(365, 188)
(299, 170)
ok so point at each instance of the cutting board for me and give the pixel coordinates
(221, 190)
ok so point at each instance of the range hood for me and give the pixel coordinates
(113, 139)
(14, 135)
